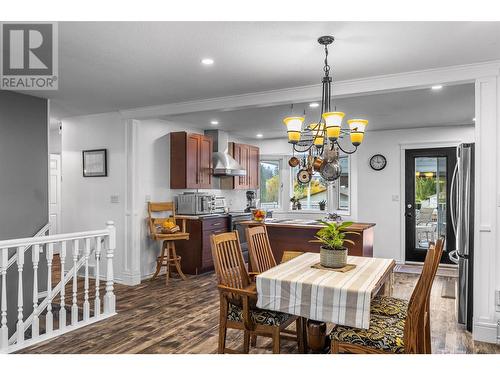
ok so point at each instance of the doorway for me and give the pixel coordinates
(428, 176)
(55, 194)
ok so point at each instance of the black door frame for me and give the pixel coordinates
(411, 252)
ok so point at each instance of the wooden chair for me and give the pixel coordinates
(168, 256)
(259, 249)
(238, 297)
(398, 307)
(395, 334)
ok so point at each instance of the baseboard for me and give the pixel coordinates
(128, 279)
(150, 275)
(485, 332)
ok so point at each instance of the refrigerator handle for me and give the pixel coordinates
(452, 199)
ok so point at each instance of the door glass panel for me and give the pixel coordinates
(430, 200)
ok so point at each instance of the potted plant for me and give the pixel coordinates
(294, 202)
(333, 253)
(322, 205)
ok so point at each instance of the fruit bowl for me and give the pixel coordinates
(258, 215)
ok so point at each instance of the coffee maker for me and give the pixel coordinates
(251, 201)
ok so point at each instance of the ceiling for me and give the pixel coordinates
(452, 105)
(107, 66)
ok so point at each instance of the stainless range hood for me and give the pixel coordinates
(223, 163)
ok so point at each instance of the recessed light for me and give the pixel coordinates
(259, 135)
(214, 122)
(437, 87)
(313, 105)
(207, 61)
(474, 119)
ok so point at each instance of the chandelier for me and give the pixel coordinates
(320, 140)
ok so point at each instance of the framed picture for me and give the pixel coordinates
(95, 163)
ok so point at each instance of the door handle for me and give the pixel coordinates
(408, 214)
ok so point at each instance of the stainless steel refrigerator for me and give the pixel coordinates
(462, 215)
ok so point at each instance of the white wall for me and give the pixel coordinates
(376, 189)
(86, 201)
(372, 192)
(55, 145)
(153, 177)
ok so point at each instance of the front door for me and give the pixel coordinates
(428, 175)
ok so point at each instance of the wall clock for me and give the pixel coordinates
(378, 162)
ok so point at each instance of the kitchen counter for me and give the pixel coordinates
(295, 234)
(307, 224)
(200, 217)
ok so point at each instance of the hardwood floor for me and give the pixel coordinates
(183, 318)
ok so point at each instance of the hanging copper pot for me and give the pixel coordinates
(317, 163)
(293, 162)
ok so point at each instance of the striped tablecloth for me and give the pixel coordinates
(341, 298)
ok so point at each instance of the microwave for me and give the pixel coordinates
(196, 204)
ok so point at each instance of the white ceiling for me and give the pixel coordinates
(106, 66)
(452, 105)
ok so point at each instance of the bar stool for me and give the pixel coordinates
(168, 256)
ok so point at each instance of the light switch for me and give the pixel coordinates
(395, 198)
(115, 199)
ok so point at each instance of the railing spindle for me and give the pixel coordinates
(97, 301)
(86, 304)
(74, 306)
(62, 310)
(4, 330)
(109, 298)
(20, 324)
(35, 256)
(49, 318)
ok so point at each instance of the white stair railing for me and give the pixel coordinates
(36, 328)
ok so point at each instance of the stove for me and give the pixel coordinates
(235, 218)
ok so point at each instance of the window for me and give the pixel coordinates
(343, 184)
(311, 194)
(278, 183)
(270, 184)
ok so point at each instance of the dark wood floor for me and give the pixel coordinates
(183, 318)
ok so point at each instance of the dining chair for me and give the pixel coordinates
(398, 307)
(259, 249)
(394, 334)
(238, 297)
(168, 256)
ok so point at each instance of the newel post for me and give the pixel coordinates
(109, 298)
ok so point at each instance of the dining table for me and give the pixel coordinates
(303, 288)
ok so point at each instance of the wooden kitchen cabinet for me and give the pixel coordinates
(190, 161)
(196, 253)
(253, 167)
(249, 158)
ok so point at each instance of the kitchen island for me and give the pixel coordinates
(295, 234)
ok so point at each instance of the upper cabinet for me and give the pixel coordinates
(190, 161)
(248, 157)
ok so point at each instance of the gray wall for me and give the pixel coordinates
(23, 184)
